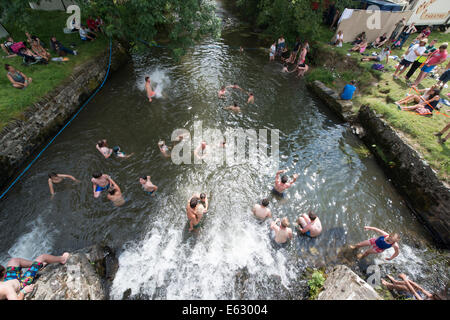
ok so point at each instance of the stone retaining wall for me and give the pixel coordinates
(41, 121)
(426, 195)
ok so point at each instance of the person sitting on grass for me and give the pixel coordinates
(348, 91)
(92, 26)
(59, 48)
(378, 245)
(339, 39)
(37, 48)
(417, 98)
(380, 41)
(16, 284)
(360, 38)
(85, 35)
(410, 287)
(436, 58)
(17, 78)
(361, 47)
(440, 133)
(6, 47)
(426, 106)
(384, 54)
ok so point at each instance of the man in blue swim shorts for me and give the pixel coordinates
(15, 284)
(100, 182)
(309, 224)
(147, 185)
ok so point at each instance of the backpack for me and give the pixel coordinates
(377, 66)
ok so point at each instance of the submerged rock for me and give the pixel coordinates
(85, 276)
(343, 284)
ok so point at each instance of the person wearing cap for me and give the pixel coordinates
(282, 232)
(436, 58)
(429, 49)
(410, 56)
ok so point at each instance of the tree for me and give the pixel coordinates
(129, 21)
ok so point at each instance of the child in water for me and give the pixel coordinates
(148, 88)
(378, 245)
(120, 154)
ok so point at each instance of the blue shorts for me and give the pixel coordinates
(427, 69)
(98, 188)
(308, 233)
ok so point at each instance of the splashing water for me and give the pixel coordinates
(159, 80)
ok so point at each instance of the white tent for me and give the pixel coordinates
(51, 5)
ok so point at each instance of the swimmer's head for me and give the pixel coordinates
(202, 196)
(203, 144)
(251, 94)
(235, 104)
(222, 88)
(312, 215)
(285, 222)
(161, 143)
(102, 143)
(112, 191)
(116, 149)
(265, 202)
(393, 238)
(143, 179)
(284, 179)
(52, 175)
(193, 203)
(97, 175)
(147, 78)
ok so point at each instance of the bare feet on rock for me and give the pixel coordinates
(65, 256)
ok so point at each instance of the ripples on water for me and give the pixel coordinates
(232, 256)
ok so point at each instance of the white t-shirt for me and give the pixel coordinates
(83, 33)
(412, 56)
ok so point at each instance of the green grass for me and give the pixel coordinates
(380, 91)
(45, 77)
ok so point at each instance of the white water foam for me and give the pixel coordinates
(34, 243)
(163, 267)
(159, 80)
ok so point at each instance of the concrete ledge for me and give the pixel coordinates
(343, 108)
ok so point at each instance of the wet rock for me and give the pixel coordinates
(343, 284)
(85, 276)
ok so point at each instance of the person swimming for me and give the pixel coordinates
(165, 150)
(148, 88)
(309, 224)
(147, 185)
(120, 154)
(234, 107)
(57, 178)
(261, 211)
(100, 182)
(102, 146)
(281, 184)
(282, 233)
(378, 245)
(115, 194)
(251, 98)
(222, 92)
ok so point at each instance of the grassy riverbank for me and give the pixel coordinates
(45, 77)
(379, 90)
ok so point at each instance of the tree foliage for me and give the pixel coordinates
(180, 21)
(290, 18)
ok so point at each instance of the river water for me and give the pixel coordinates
(232, 256)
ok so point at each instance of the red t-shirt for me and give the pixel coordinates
(437, 57)
(91, 24)
(426, 33)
